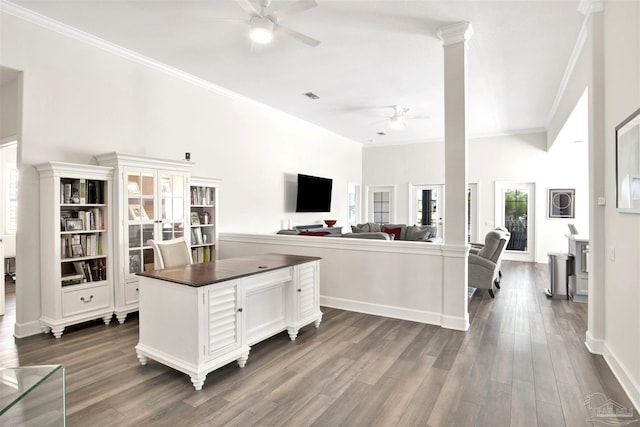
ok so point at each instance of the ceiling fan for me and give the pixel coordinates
(264, 24)
(397, 120)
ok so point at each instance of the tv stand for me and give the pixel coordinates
(319, 227)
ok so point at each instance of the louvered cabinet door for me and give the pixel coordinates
(224, 317)
(308, 304)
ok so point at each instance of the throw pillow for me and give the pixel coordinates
(416, 233)
(395, 232)
(356, 229)
(403, 230)
(314, 233)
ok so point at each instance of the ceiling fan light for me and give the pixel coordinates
(261, 30)
(396, 123)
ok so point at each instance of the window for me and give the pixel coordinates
(381, 207)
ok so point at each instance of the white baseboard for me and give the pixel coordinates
(23, 330)
(382, 310)
(628, 383)
(593, 345)
(454, 322)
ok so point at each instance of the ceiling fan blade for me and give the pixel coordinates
(296, 35)
(248, 7)
(291, 9)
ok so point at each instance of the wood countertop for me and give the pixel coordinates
(226, 269)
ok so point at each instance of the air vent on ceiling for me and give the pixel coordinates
(311, 95)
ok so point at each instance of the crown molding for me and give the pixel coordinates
(460, 32)
(83, 37)
(573, 59)
(587, 7)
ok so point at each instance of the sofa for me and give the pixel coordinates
(484, 261)
(375, 231)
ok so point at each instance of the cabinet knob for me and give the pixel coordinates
(240, 310)
(299, 290)
(85, 300)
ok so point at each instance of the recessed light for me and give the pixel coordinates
(311, 95)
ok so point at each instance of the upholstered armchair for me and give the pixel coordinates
(484, 262)
(171, 253)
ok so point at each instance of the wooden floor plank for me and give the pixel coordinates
(522, 362)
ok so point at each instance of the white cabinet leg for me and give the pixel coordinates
(242, 360)
(57, 332)
(142, 358)
(317, 322)
(198, 382)
(107, 319)
(293, 333)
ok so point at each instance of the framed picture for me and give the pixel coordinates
(195, 218)
(73, 224)
(628, 164)
(76, 251)
(562, 203)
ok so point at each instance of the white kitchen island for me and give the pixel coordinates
(200, 317)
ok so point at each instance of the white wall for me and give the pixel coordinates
(79, 101)
(8, 104)
(517, 158)
(622, 231)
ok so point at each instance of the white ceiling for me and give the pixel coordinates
(373, 54)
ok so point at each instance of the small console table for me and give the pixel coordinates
(200, 317)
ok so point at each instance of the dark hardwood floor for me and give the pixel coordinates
(522, 363)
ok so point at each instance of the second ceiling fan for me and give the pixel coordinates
(264, 23)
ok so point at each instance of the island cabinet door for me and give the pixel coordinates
(224, 317)
(307, 291)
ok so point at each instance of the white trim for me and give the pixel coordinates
(382, 310)
(622, 374)
(343, 243)
(573, 59)
(23, 330)
(454, 322)
(74, 33)
(593, 345)
(460, 32)
(8, 141)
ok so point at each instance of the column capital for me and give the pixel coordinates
(587, 7)
(460, 32)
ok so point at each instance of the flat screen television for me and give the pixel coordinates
(314, 194)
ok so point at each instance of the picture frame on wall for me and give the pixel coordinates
(562, 203)
(628, 164)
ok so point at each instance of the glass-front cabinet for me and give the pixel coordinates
(155, 210)
(154, 204)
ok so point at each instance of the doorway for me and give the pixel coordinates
(515, 210)
(8, 215)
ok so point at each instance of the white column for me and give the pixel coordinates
(454, 294)
(594, 46)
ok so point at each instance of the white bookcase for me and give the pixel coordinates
(76, 279)
(204, 218)
(151, 201)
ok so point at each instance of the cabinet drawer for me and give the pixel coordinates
(265, 279)
(131, 293)
(84, 300)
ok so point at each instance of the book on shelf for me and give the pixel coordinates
(72, 279)
(92, 270)
(202, 254)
